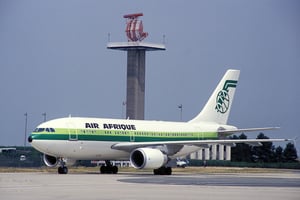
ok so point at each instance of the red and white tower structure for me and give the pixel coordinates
(134, 28)
(136, 56)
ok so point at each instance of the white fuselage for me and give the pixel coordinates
(93, 138)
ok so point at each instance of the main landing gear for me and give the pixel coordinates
(108, 168)
(163, 171)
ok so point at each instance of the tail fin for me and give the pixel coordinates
(218, 106)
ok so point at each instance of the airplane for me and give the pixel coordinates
(147, 144)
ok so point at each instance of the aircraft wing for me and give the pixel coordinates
(130, 146)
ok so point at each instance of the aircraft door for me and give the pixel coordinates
(73, 136)
(132, 136)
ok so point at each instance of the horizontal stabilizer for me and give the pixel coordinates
(247, 130)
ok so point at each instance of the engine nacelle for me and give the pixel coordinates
(148, 158)
(50, 161)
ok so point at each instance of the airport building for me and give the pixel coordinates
(215, 152)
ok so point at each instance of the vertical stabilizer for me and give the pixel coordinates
(218, 106)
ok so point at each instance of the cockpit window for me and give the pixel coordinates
(38, 130)
(50, 129)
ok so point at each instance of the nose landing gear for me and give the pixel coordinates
(62, 169)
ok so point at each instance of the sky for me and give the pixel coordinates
(54, 60)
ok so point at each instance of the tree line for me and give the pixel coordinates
(266, 153)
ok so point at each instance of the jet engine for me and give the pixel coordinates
(148, 158)
(50, 161)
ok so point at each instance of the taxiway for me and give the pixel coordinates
(130, 186)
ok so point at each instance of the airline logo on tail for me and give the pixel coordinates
(223, 101)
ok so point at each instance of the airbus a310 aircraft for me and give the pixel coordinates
(147, 144)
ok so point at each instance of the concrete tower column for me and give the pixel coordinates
(135, 99)
(136, 57)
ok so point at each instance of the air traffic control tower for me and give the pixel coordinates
(136, 56)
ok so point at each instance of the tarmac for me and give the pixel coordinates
(131, 186)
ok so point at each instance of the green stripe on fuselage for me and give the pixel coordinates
(121, 136)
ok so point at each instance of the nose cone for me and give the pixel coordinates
(30, 139)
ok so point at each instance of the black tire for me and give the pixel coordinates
(168, 171)
(103, 169)
(65, 170)
(155, 172)
(163, 171)
(114, 169)
(62, 170)
(109, 170)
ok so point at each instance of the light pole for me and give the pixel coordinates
(45, 116)
(25, 137)
(123, 107)
(180, 107)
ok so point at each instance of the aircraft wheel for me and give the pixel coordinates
(114, 169)
(163, 171)
(62, 170)
(168, 171)
(103, 169)
(109, 169)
